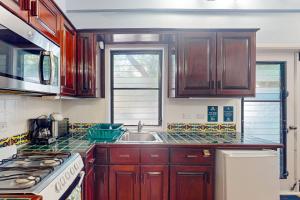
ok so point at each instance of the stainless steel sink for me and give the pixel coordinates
(143, 137)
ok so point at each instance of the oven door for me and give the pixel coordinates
(74, 192)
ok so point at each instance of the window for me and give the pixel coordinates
(136, 87)
(265, 115)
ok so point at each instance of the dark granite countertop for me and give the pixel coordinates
(79, 142)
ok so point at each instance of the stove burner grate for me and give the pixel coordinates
(24, 178)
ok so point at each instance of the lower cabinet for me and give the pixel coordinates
(124, 182)
(191, 183)
(141, 173)
(88, 185)
(101, 182)
(154, 182)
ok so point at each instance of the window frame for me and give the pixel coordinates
(283, 113)
(160, 87)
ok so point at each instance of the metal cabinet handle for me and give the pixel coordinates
(92, 161)
(144, 176)
(124, 156)
(191, 156)
(154, 156)
(136, 178)
(154, 173)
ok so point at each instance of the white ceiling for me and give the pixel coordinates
(180, 5)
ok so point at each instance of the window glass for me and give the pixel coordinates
(136, 87)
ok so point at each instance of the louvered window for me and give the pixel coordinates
(265, 115)
(136, 87)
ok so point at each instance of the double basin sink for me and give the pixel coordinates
(142, 137)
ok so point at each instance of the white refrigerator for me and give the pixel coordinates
(247, 175)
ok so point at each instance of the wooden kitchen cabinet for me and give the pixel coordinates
(86, 63)
(45, 17)
(236, 63)
(197, 64)
(68, 60)
(89, 191)
(154, 182)
(213, 64)
(124, 182)
(101, 182)
(191, 183)
(89, 179)
(18, 7)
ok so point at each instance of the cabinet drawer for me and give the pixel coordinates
(192, 156)
(124, 155)
(101, 155)
(156, 155)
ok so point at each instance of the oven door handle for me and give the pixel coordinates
(81, 174)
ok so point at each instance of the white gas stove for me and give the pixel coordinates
(51, 175)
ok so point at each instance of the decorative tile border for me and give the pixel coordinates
(23, 138)
(79, 127)
(201, 127)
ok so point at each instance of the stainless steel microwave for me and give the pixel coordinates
(28, 60)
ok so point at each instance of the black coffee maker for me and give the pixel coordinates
(40, 130)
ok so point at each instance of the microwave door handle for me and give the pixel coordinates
(52, 70)
(41, 72)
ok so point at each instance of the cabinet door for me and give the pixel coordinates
(18, 7)
(124, 182)
(196, 71)
(88, 185)
(154, 182)
(101, 184)
(86, 58)
(236, 57)
(45, 17)
(191, 183)
(68, 60)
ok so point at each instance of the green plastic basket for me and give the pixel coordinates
(106, 132)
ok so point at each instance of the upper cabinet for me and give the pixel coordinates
(86, 65)
(19, 7)
(68, 60)
(45, 17)
(206, 64)
(236, 63)
(197, 64)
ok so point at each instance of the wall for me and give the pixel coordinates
(62, 4)
(183, 5)
(276, 29)
(174, 110)
(16, 110)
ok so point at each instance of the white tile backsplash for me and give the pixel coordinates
(16, 110)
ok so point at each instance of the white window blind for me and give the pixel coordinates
(136, 87)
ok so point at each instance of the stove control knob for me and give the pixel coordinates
(58, 187)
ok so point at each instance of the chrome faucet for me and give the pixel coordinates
(139, 127)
